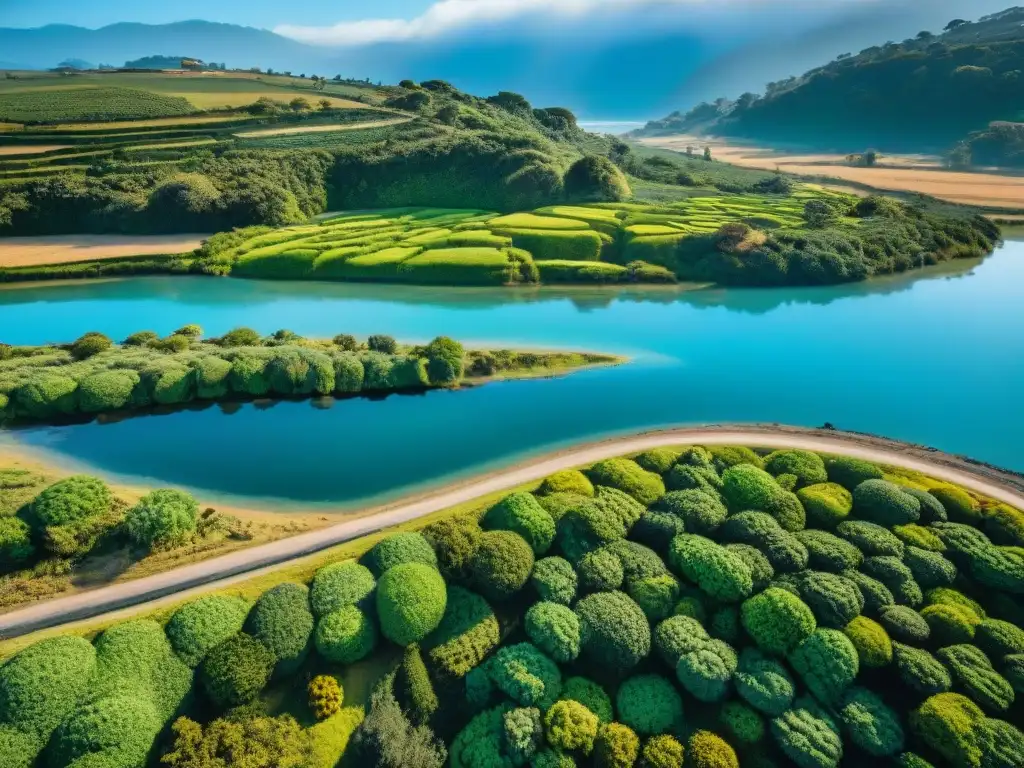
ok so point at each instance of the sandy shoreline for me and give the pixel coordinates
(150, 592)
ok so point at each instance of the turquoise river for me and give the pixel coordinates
(936, 358)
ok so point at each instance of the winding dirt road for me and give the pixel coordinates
(149, 593)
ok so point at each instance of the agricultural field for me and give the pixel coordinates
(52, 105)
(708, 607)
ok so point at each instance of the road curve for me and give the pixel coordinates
(128, 597)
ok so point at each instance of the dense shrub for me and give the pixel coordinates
(566, 481)
(600, 571)
(501, 564)
(278, 741)
(929, 569)
(685, 477)
(892, 572)
(657, 529)
(870, 724)
(445, 360)
(198, 627)
(107, 390)
(745, 486)
(525, 675)
(885, 503)
(932, 510)
(835, 600)
(90, 344)
(282, 621)
(325, 696)
(827, 552)
(590, 695)
(849, 472)
(555, 629)
(1005, 525)
(705, 749)
(658, 460)
(725, 456)
(520, 513)
(71, 500)
(706, 671)
(345, 635)
(808, 737)
(162, 517)
(743, 725)
(808, 467)
(587, 527)
(950, 724)
(455, 540)
(616, 747)
(571, 726)
(999, 638)
(869, 538)
(558, 504)
(340, 584)
(777, 620)
(662, 752)
(554, 580)
(960, 506)
(15, 541)
(759, 529)
(949, 624)
(413, 685)
(625, 475)
(874, 647)
(1000, 568)
(649, 704)
(761, 570)
(523, 733)
(973, 674)
(411, 599)
(236, 671)
(827, 504)
(764, 683)
(701, 511)
(720, 573)
(467, 633)
(1013, 670)
(827, 663)
(615, 632)
(398, 548)
(962, 541)
(905, 624)
(387, 739)
(677, 636)
(921, 671)
(638, 562)
(116, 731)
(656, 595)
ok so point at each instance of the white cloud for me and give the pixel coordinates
(447, 16)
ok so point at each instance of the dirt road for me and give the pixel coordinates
(148, 593)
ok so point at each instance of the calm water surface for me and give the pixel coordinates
(937, 359)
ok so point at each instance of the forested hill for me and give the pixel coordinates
(923, 93)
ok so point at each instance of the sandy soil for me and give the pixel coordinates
(150, 592)
(896, 173)
(321, 128)
(64, 249)
(31, 149)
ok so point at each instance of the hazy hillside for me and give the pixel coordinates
(923, 93)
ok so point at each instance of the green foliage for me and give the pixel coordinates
(625, 475)
(387, 739)
(827, 504)
(676, 636)
(555, 629)
(615, 632)
(617, 746)
(870, 724)
(871, 539)
(649, 704)
(759, 529)
(416, 689)
(835, 600)
(257, 742)
(892, 572)
(398, 548)
(345, 635)
(587, 527)
(236, 671)
(554, 579)
(90, 344)
(701, 511)
(162, 517)
(600, 571)
(594, 177)
(808, 467)
(524, 674)
(662, 752)
(905, 624)
(708, 750)
(198, 627)
(874, 647)
(950, 624)
(827, 663)
(1000, 568)
(523, 733)
(282, 621)
(1005, 525)
(520, 513)
(885, 503)
(850, 472)
(960, 506)
(973, 675)
(922, 537)
(455, 540)
(932, 510)
(501, 565)
(445, 358)
(921, 671)
(656, 595)
(808, 737)
(684, 477)
(1013, 670)
(950, 724)
(827, 552)
(72, 500)
(741, 723)
(325, 696)
(590, 695)
(999, 638)
(340, 584)
(107, 391)
(764, 683)
(717, 571)
(570, 726)
(566, 481)
(467, 633)
(15, 540)
(706, 671)
(411, 600)
(117, 730)
(659, 460)
(46, 395)
(777, 620)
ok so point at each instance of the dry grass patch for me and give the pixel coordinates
(65, 249)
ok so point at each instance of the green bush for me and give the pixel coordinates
(523, 733)
(827, 504)
(416, 689)
(520, 513)
(616, 747)
(525, 675)
(701, 511)
(932, 510)
(725, 624)
(236, 671)
(764, 683)
(960, 506)
(658, 460)
(808, 737)
(445, 358)
(590, 695)
(398, 548)
(600, 571)
(725, 456)
(587, 527)
(615, 632)
(827, 663)
(1005, 525)
(743, 725)
(777, 621)
(929, 569)
(198, 627)
(71, 500)
(555, 629)
(114, 732)
(638, 562)
(905, 624)
(411, 599)
(554, 580)
(827, 552)
(706, 671)
(348, 374)
(708, 750)
(808, 467)
(677, 636)
(566, 481)
(761, 570)
(1000, 568)
(686, 477)
(345, 635)
(720, 573)
(46, 395)
(871, 539)
(278, 741)
(760, 530)
(212, 375)
(455, 540)
(340, 584)
(1013, 670)
(835, 600)
(649, 704)
(107, 390)
(874, 647)
(662, 752)
(15, 540)
(559, 504)
(282, 621)
(746, 486)
(571, 726)
(885, 503)
(657, 529)
(921, 671)
(870, 724)
(162, 517)
(656, 595)
(974, 675)
(325, 696)
(999, 638)
(501, 565)
(849, 472)
(628, 476)
(877, 596)
(90, 344)
(892, 572)
(950, 725)
(949, 624)
(467, 633)
(247, 376)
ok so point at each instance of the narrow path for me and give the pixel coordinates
(219, 572)
(321, 128)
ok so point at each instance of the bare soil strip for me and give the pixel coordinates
(896, 173)
(32, 149)
(151, 592)
(321, 128)
(66, 249)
